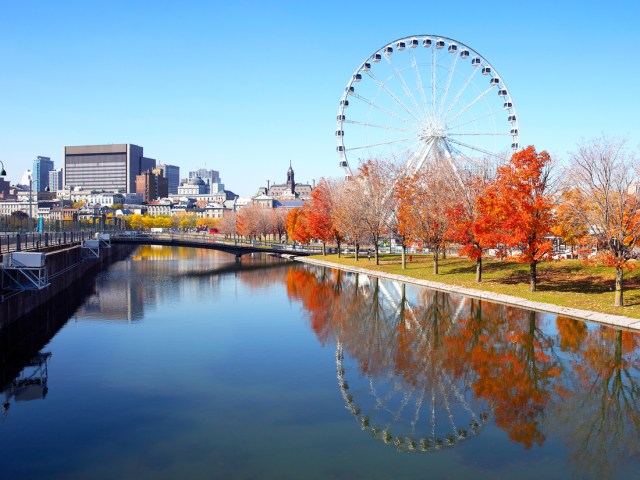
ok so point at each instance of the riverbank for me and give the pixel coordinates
(619, 321)
(65, 268)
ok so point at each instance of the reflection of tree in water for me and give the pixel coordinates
(515, 367)
(395, 379)
(603, 390)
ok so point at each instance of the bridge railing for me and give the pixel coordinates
(206, 238)
(29, 241)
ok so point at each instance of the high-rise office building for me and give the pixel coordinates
(152, 185)
(105, 167)
(172, 174)
(55, 180)
(40, 173)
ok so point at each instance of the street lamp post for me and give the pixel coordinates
(30, 202)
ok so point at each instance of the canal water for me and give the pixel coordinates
(179, 363)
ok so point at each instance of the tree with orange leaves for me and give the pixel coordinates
(290, 222)
(297, 224)
(301, 230)
(605, 177)
(466, 225)
(516, 210)
(319, 217)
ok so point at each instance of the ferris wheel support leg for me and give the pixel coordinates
(447, 153)
(423, 158)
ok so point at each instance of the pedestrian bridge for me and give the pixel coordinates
(211, 242)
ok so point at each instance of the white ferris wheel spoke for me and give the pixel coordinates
(461, 399)
(405, 87)
(487, 134)
(491, 114)
(461, 92)
(479, 97)
(433, 82)
(393, 96)
(433, 413)
(385, 127)
(418, 144)
(446, 89)
(414, 64)
(447, 406)
(375, 105)
(477, 149)
(416, 416)
(469, 160)
(390, 142)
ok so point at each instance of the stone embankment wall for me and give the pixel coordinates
(65, 267)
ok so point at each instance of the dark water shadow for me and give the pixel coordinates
(21, 340)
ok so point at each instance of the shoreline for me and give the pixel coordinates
(618, 321)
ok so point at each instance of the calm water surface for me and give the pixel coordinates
(179, 364)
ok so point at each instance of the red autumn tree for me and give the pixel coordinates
(319, 216)
(516, 209)
(466, 226)
(301, 230)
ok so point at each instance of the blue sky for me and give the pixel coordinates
(244, 87)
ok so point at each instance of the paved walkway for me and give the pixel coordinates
(604, 318)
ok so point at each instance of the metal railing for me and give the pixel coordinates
(16, 242)
(211, 239)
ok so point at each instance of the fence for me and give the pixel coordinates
(16, 242)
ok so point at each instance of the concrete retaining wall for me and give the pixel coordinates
(65, 267)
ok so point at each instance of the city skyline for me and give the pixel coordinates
(244, 89)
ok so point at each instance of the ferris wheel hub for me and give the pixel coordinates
(433, 130)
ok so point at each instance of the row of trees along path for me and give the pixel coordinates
(512, 211)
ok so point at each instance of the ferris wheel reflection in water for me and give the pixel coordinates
(423, 370)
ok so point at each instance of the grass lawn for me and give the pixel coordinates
(568, 283)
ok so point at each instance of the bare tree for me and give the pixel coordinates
(348, 212)
(278, 219)
(605, 176)
(227, 225)
(375, 197)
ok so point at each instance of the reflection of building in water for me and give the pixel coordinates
(117, 296)
(30, 384)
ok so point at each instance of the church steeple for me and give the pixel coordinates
(290, 179)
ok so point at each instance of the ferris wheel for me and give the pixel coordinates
(425, 97)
